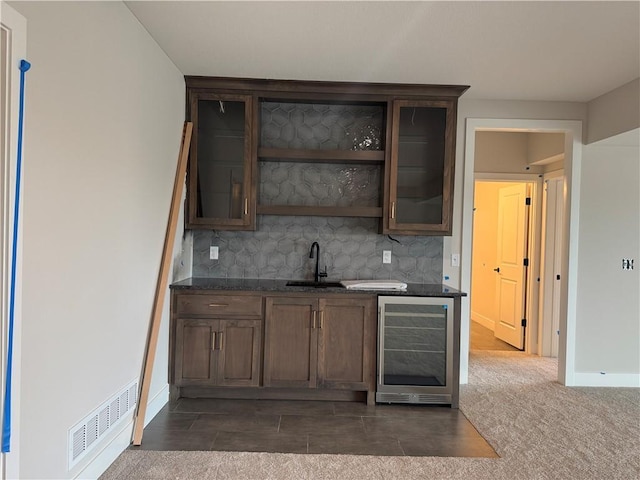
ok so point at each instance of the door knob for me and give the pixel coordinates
(497, 269)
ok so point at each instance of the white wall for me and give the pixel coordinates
(554, 166)
(608, 326)
(614, 112)
(545, 148)
(505, 152)
(104, 116)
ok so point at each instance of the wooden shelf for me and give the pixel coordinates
(320, 156)
(319, 211)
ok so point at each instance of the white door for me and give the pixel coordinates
(557, 266)
(552, 254)
(510, 270)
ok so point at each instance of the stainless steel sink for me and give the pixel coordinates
(312, 284)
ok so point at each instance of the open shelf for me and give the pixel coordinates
(319, 211)
(325, 156)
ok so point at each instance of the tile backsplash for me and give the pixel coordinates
(350, 248)
(285, 183)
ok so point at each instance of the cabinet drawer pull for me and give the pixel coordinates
(246, 205)
(393, 210)
(218, 305)
(213, 340)
(313, 316)
(321, 318)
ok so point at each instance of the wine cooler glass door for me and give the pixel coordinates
(416, 343)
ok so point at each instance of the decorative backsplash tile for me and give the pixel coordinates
(319, 184)
(350, 248)
(321, 126)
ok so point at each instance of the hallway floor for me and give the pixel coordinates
(482, 338)
(314, 427)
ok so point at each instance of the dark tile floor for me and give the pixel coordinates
(314, 427)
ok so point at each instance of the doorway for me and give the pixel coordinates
(572, 131)
(503, 241)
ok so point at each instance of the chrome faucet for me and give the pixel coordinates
(317, 274)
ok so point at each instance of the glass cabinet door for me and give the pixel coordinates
(220, 162)
(421, 175)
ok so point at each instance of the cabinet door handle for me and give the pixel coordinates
(246, 205)
(321, 318)
(212, 305)
(213, 340)
(393, 210)
(313, 316)
(221, 340)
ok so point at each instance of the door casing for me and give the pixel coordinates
(569, 274)
(14, 26)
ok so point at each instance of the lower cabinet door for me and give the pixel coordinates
(195, 352)
(290, 342)
(239, 353)
(346, 343)
(217, 352)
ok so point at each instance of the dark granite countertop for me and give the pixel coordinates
(267, 285)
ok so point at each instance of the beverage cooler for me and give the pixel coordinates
(416, 350)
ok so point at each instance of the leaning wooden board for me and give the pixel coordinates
(161, 286)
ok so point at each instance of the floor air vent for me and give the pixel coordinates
(429, 399)
(85, 434)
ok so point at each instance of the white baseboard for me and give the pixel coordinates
(484, 321)
(597, 379)
(121, 441)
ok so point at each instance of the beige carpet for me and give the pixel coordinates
(540, 429)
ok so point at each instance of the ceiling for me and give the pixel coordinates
(556, 51)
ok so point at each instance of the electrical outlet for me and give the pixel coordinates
(627, 263)
(455, 259)
(213, 253)
(386, 256)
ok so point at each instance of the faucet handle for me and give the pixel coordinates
(323, 274)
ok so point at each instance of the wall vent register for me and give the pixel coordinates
(85, 435)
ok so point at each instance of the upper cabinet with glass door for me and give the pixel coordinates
(220, 173)
(285, 147)
(420, 188)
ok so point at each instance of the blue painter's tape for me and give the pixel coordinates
(6, 414)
